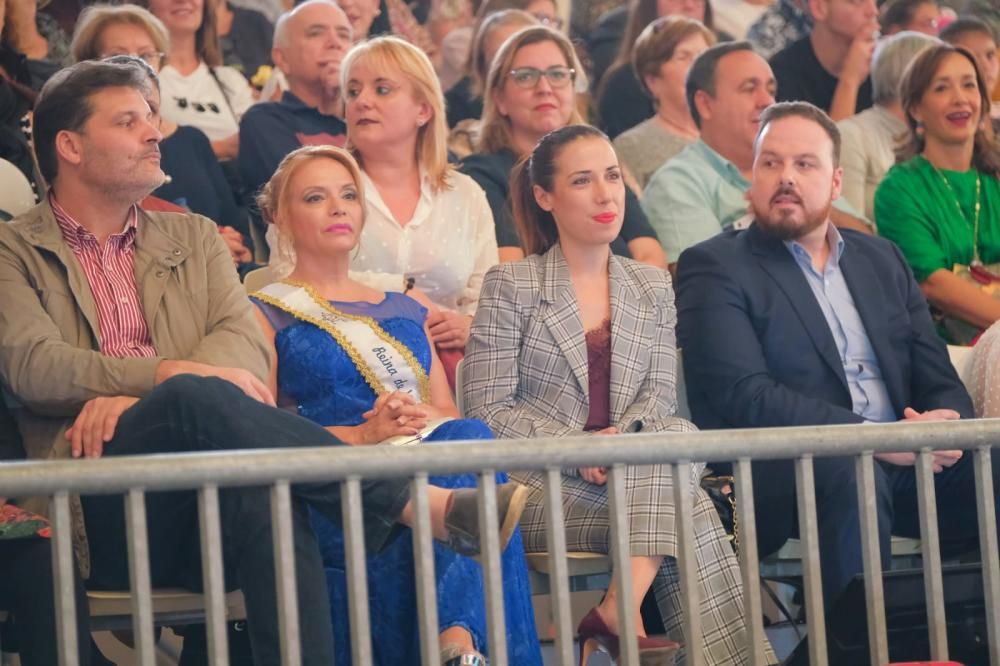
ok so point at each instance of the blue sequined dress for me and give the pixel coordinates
(319, 381)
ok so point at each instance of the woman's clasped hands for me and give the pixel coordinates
(393, 414)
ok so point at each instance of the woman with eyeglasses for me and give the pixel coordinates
(914, 15)
(194, 178)
(941, 202)
(197, 89)
(621, 102)
(530, 92)
(494, 23)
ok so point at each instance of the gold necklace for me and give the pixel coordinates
(976, 261)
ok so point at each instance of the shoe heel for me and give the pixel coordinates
(658, 656)
(587, 648)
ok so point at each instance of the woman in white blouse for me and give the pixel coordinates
(196, 89)
(428, 227)
(981, 372)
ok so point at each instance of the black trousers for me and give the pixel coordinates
(838, 516)
(189, 413)
(26, 590)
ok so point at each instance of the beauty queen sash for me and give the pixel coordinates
(386, 364)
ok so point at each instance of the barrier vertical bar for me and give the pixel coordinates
(621, 554)
(558, 568)
(63, 580)
(805, 484)
(139, 578)
(988, 548)
(284, 564)
(878, 644)
(931, 554)
(746, 521)
(357, 571)
(489, 539)
(212, 575)
(684, 506)
(423, 556)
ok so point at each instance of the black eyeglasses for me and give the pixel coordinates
(528, 77)
(197, 106)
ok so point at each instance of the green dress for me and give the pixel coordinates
(917, 211)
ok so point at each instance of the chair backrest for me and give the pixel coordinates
(683, 410)
(459, 394)
(961, 358)
(258, 278)
(16, 195)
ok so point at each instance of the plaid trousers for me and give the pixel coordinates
(649, 498)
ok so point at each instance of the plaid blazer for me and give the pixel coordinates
(525, 370)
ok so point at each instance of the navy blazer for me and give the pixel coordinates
(758, 351)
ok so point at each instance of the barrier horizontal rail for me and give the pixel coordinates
(279, 467)
(263, 466)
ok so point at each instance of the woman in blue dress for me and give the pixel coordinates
(358, 362)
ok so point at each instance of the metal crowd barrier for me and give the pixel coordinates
(277, 468)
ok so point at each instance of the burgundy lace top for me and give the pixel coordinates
(599, 372)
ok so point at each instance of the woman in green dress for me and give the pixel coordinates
(941, 202)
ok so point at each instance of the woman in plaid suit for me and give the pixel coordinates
(574, 339)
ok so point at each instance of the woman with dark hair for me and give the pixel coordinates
(915, 15)
(621, 101)
(978, 38)
(530, 91)
(662, 56)
(574, 340)
(941, 202)
(197, 89)
(496, 20)
(244, 38)
(371, 18)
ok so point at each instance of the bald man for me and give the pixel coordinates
(309, 44)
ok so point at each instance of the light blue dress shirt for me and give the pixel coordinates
(696, 195)
(869, 394)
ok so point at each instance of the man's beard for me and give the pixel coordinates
(131, 190)
(782, 225)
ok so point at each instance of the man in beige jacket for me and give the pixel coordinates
(127, 332)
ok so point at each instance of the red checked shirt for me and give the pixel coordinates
(111, 274)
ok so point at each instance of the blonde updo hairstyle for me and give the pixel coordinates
(388, 53)
(273, 197)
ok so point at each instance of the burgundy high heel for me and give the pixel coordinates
(595, 635)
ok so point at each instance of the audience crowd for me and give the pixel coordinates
(496, 204)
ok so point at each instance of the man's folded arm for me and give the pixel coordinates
(233, 337)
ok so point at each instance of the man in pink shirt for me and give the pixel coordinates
(124, 331)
